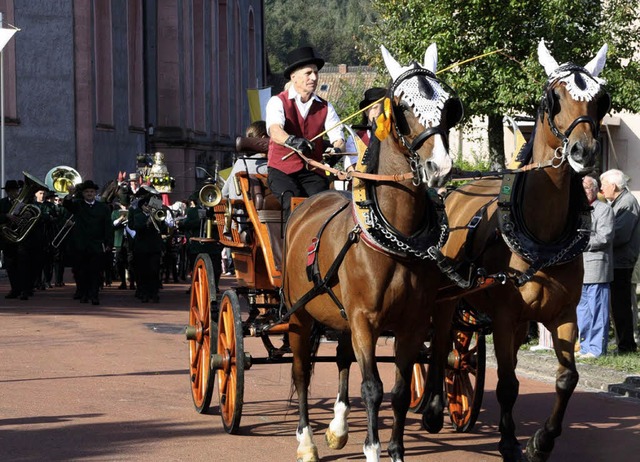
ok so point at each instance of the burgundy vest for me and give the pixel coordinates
(295, 125)
(364, 136)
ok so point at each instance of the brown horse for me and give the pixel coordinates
(382, 278)
(531, 227)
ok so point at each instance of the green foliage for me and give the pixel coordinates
(331, 27)
(511, 81)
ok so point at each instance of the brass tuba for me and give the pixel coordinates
(26, 214)
(59, 179)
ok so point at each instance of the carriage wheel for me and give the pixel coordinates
(418, 401)
(464, 379)
(231, 362)
(202, 332)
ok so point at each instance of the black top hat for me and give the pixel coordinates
(88, 184)
(300, 57)
(11, 184)
(372, 95)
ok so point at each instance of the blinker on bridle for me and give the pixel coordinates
(416, 144)
(548, 105)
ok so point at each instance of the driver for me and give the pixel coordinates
(293, 117)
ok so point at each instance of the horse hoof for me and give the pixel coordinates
(432, 423)
(336, 441)
(534, 453)
(512, 454)
(310, 455)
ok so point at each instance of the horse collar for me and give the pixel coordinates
(541, 254)
(382, 236)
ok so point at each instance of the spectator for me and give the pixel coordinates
(593, 309)
(626, 245)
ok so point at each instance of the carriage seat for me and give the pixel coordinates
(269, 213)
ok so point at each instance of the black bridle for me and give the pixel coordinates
(399, 119)
(548, 102)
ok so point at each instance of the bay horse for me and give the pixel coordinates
(363, 276)
(532, 227)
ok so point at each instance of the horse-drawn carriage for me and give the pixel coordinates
(372, 263)
(219, 322)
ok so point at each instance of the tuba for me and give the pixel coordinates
(59, 179)
(26, 214)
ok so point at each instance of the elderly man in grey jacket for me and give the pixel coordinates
(593, 309)
(626, 245)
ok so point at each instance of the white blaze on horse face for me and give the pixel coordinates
(440, 163)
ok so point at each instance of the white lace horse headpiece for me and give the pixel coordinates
(579, 87)
(427, 104)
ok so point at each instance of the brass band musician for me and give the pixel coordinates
(91, 238)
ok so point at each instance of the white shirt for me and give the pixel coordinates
(275, 114)
(256, 164)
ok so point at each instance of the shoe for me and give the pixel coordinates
(76, 296)
(122, 286)
(95, 301)
(12, 295)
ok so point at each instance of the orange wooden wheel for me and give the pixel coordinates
(202, 332)
(464, 379)
(231, 362)
(418, 385)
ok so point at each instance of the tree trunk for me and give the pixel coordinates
(496, 142)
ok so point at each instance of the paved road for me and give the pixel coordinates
(109, 382)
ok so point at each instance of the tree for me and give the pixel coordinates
(331, 27)
(510, 82)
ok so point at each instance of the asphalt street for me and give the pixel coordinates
(110, 383)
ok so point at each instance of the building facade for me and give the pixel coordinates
(95, 84)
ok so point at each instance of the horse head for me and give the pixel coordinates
(574, 103)
(423, 111)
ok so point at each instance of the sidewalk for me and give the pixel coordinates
(543, 364)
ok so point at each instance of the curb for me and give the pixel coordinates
(542, 365)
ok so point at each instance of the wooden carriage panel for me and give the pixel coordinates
(256, 196)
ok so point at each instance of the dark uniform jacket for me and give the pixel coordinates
(93, 231)
(148, 239)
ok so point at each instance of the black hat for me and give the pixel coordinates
(88, 184)
(372, 95)
(299, 57)
(11, 184)
(146, 189)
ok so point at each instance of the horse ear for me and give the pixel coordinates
(393, 66)
(546, 60)
(596, 65)
(431, 58)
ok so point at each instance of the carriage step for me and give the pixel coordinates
(629, 388)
